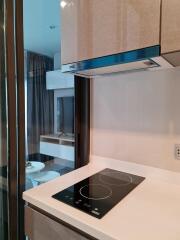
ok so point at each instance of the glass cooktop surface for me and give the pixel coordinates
(99, 193)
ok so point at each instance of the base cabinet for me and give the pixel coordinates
(40, 227)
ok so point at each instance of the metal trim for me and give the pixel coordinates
(110, 60)
(82, 121)
(12, 123)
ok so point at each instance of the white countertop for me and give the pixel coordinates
(150, 212)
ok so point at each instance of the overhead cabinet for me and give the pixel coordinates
(170, 30)
(112, 36)
(95, 28)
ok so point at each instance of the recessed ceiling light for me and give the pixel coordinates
(63, 4)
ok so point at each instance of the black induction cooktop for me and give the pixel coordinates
(99, 193)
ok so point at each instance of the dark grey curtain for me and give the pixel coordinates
(40, 101)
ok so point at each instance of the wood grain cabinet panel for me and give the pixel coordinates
(41, 227)
(170, 34)
(94, 28)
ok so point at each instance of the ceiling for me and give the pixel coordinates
(42, 26)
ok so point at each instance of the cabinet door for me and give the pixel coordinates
(94, 28)
(170, 34)
(40, 227)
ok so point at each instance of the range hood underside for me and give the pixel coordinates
(120, 68)
(136, 60)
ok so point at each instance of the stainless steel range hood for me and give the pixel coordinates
(136, 60)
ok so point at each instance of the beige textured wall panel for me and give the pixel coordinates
(170, 38)
(93, 28)
(136, 117)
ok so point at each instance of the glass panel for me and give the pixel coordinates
(3, 132)
(49, 96)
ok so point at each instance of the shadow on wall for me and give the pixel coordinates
(143, 102)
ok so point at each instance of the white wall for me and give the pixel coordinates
(136, 117)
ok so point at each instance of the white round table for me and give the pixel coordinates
(37, 176)
(34, 167)
(31, 170)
